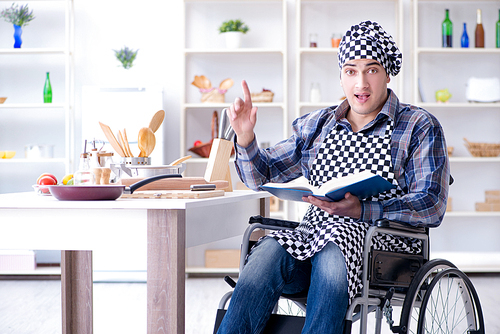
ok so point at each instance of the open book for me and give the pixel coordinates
(361, 185)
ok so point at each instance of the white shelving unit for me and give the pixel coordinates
(262, 60)
(319, 64)
(21, 110)
(466, 237)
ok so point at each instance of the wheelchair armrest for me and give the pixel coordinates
(273, 222)
(386, 223)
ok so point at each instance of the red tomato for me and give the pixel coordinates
(46, 181)
(198, 142)
(44, 175)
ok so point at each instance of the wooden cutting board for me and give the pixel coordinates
(174, 183)
(172, 194)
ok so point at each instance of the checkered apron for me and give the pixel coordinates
(344, 153)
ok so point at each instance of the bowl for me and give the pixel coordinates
(41, 190)
(2, 99)
(482, 149)
(9, 154)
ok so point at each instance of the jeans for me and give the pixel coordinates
(271, 271)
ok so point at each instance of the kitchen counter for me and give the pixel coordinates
(170, 225)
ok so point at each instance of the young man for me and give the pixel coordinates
(370, 130)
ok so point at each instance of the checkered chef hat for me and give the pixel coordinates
(368, 40)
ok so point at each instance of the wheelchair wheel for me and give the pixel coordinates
(451, 305)
(416, 291)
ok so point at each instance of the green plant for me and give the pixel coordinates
(233, 25)
(126, 56)
(19, 16)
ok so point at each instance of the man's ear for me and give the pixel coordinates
(388, 78)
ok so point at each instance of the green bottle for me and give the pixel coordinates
(498, 30)
(447, 30)
(47, 90)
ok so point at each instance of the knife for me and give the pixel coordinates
(223, 123)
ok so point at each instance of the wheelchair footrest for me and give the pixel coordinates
(390, 269)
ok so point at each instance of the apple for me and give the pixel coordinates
(54, 179)
(198, 142)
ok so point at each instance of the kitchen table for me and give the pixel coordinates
(29, 221)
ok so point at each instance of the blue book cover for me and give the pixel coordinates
(361, 185)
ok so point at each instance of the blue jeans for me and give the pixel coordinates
(271, 271)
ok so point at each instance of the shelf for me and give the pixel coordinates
(459, 105)
(61, 51)
(458, 50)
(319, 50)
(31, 105)
(24, 160)
(232, 51)
(474, 159)
(201, 105)
(319, 104)
(472, 214)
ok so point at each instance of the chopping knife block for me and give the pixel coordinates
(218, 162)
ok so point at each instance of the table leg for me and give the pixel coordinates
(166, 271)
(76, 292)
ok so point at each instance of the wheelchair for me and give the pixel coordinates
(432, 296)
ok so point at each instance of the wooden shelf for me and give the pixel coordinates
(30, 161)
(457, 50)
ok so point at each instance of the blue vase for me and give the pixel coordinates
(17, 36)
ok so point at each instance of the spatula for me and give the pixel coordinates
(127, 146)
(157, 120)
(112, 139)
(178, 161)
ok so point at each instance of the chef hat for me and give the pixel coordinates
(368, 40)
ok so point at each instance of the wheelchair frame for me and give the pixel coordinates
(418, 313)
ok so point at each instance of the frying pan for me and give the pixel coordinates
(100, 192)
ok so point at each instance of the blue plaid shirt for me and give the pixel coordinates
(418, 151)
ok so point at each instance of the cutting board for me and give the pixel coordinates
(172, 194)
(174, 183)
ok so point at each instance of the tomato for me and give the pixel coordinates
(198, 142)
(44, 175)
(46, 181)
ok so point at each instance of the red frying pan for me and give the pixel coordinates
(100, 192)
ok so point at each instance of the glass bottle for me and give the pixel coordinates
(47, 90)
(447, 30)
(479, 31)
(465, 38)
(498, 30)
(83, 176)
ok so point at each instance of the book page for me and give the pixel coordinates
(341, 182)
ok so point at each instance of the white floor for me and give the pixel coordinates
(29, 307)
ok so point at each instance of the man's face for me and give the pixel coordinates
(364, 82)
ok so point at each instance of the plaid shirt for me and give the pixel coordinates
(418, 151)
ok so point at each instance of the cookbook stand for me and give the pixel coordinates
(218, 162)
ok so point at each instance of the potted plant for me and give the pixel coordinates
(126, 56)
(233, 30)
(19, 17)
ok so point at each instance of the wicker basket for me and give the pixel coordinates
(203, 150)
(212, 96)
(482, 149)
(262, 97)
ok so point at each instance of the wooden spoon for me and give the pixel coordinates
(112, 139)
(157, 120)
(178, 161)
(146, 142)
